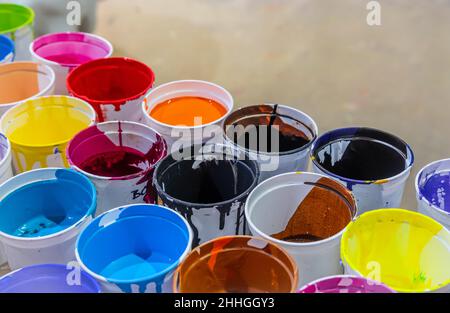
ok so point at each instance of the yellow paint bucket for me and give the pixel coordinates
(40, 129)
(407, 251)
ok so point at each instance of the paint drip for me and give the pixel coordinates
(437, 190)
(321, 215)
(271, 128)
(184, 111)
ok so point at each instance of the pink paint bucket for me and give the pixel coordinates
(65, 51)
(115, 87)
(119, 158)
(345, 284)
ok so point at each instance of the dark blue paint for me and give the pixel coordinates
(437, 190)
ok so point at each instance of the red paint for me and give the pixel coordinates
(113, 81)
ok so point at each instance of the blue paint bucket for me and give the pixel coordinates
(6, 50)
(48, 278)
(41, 214)
(135, 248)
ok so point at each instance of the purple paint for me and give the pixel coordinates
(71, 49)
(48, 279)
(345, 284)
(437, 190)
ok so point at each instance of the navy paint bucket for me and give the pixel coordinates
(373, 164)
(48, 278)
(135, 248)
(41, 214)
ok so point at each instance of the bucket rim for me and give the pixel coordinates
(18, 7)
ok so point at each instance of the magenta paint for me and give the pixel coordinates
(345, 284)
(120, 158)
(65, 51)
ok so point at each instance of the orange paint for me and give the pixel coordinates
(183, 111)
(18, 81)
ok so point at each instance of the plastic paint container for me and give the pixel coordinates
(40, 129)
(16, 23)
(188, 112)
(21, 81)
(277, 136)
(42, 213)
(65, 51)
(48, 278)
(115, 87)
(237, 264)
(208, 185)
(6, 50)
(119, 158)
(305, 214)
(150, 241)
(373, 164)
(433, 191)
(407, 251)
(345, 284)
(5, 174)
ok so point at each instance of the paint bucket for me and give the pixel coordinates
(305, 214)
(277, 136)
(407, 251)
(40, 129)
(65, 51)
(5, 174)
(16, 23)
(345, 284)
(433, 191)
(200, 108)
(21, 81)
(237, 264)
(150, 241)
(208, 185)
(373, 164)
(6, 50)
(42, 213)
(119, 158)
(115, 87)
(48, 278)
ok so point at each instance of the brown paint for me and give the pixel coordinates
(323, 213)
(18, 81)
(237, 264)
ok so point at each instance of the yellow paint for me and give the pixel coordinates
(381, 182)
(40, 129)
(412, 250)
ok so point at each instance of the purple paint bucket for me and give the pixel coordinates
(48, 278)
(65, 51)
(433, 191)
(345, 284)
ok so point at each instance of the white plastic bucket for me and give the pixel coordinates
(305, 214)
(41, 214)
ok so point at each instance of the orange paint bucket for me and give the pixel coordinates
(237, 264)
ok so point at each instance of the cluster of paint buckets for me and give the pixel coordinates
(122, 187)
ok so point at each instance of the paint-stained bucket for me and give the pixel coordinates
(373, 164)
(345, 284)
(305, 214)
(188, 112)
(5, 174)
(208, 185)
(65, 51)
(41, 214)
(40, 129)
(115, 87)
(119, 158)
(21, 81)
(135, 249)
(407, 251)
(433, 191)
(6, 50)
(238, 264)
(16, 22)
(277, 136)
(48, 278)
